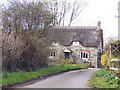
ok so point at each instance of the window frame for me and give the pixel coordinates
(53, 53)
(84, 54)
(76, 43)
(55, 43)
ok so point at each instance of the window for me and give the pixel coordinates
(76, 43)
(55, 43)
(83, 54)
(53, 53)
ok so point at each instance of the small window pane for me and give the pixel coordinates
(52, 53)
(76, 43)
(83, 54)
(55, 43)
(86, 55)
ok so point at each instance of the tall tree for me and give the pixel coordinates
(25, 26)
(67, 11)
(27, 16)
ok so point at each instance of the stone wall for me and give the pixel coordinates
(75, 54)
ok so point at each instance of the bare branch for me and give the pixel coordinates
(67, 11)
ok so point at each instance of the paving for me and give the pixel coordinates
(71, 79)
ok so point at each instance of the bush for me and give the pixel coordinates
(65, 61)
(115, 49)
(109, 78)
(26, 52)
(113, 81)
(24, 37)
(102, 73)
(104, 79)
(104, 58)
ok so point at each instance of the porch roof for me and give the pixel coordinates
(66, 50)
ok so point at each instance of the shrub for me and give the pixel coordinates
(102, 73)
(113, 81)
(24, 37)
(118, 56)
(104, 79)
(104, 58)
(23, 53)
(115, 49)
(65, 61)
(109, 78)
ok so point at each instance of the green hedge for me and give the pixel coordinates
(17, 77)
(104, 79)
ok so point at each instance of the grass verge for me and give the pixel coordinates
(104, 79)
(17, 77)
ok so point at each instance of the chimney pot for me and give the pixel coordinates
(99, 24)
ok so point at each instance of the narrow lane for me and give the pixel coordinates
(72, 79)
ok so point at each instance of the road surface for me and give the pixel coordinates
(71, 79)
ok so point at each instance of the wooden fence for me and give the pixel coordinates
(115, 66)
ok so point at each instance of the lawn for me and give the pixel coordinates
(104, 79)
(17, 77)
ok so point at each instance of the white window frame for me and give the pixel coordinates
(52, 54)
(75, 43)
(84, 55)
(55, 43)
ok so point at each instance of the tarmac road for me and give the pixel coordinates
(71, 79)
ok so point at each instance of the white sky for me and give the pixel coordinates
(103, 10)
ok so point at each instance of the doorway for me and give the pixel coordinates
(67, 55)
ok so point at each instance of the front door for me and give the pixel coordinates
(67, 55)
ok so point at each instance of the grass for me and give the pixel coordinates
(97, 82)
(17, 77)
(104, 79)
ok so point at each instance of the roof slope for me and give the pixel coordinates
(87, 35)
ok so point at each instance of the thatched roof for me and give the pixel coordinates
(86, 35)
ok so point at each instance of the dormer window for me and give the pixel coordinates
(55, 43)
(75, 43)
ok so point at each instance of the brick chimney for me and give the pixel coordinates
(99, 24)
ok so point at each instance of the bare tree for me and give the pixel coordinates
(77, 8)
(68, 11)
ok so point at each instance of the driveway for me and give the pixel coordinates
(71, 79)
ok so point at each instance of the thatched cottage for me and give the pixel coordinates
(80, 44)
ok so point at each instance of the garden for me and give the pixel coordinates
(109, 75)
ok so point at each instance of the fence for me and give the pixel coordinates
(115, 63)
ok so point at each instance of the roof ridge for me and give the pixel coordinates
(76, 27)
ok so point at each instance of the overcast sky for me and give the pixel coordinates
(103, 10)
